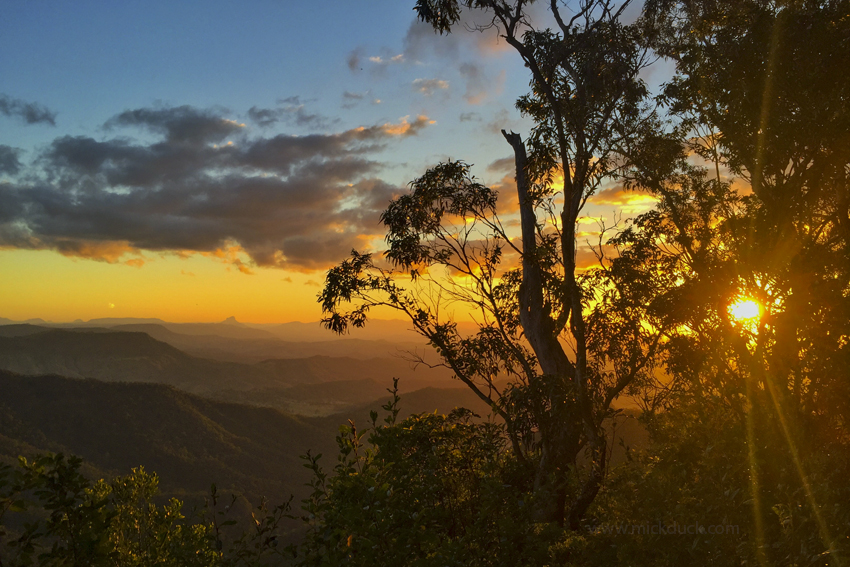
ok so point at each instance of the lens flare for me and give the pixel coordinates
(745, 310)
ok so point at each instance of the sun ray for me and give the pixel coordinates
(755, 484)
(823, 528)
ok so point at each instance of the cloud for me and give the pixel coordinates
(470, 117)
(429, 86)
(354, 59)
(182, 124)
(357, 60)
(264, 116)
(628, 201)
(297, 202)
(405, 128)
(350, 99)
(9, 162)
(502, 120)
(508, 202)
(421, 43)
(473, 32)
(479, 87)
(387, 59)
(292, 111)
(29, 112)
(503, 165)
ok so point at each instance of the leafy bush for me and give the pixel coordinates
(51, 514)
(429, 490)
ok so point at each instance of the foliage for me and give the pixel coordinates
(429, 490)
(51, 514)
(697, 473)
(779, 380)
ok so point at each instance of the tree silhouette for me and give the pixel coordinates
(566, 340)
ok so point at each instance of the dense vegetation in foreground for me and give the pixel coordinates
(441, 490)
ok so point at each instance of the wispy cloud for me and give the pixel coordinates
(29, 112)
(290, 111)
(479, 86)
(429, 86)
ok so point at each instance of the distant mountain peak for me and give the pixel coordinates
(231, 321)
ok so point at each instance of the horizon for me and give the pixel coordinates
(229, 320)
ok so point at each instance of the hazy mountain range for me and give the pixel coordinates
(124, 354)
(188, 440)
(207, 402)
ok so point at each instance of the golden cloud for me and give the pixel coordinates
(110, 252)
(406, 128)
(628, 201)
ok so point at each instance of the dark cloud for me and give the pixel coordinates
(292, 112)
(470, 117)
(264, 116)
(9, 162)
(300, 202)
(179, 124)
(353, 59)
(29, 112)
(421, 42)
(350, 99)
(503, 165)
(502, 120)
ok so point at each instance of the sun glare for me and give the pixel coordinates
(745, 310)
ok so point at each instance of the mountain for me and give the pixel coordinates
(235, 349)
(317, 369)
(20, 330)
(189, 441)
(313, 399)
(393, 330)
(123, 357)
(233, 341)
(130, 356)
(229, 328)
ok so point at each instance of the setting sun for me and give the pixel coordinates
(744, 309)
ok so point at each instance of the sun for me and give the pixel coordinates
(745, 309)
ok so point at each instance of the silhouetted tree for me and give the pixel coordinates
(568, 343)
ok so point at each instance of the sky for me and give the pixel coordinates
(194, 161)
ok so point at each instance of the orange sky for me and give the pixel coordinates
(197, 287)
(54, 287)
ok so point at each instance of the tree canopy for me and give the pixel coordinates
(746, 151)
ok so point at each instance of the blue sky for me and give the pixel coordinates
(196, 160)
(89, 61)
